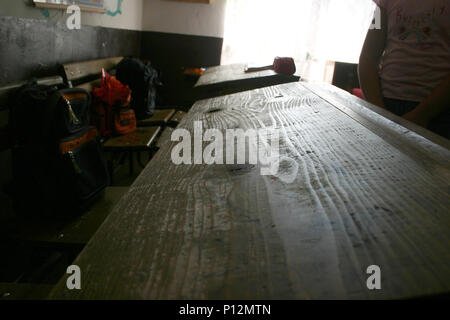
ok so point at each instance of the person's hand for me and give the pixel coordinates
(416, 117)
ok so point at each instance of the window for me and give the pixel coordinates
(310, 31)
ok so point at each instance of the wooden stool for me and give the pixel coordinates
(143, 139)
(160, 118)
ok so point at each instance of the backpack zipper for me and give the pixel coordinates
(74, 162)
(73, 117)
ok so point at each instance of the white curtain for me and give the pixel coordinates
(311, 31)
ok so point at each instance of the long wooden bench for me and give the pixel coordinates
(354, 190)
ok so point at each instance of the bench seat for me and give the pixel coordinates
(140, 140)
(161, 117)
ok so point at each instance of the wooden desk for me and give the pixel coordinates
(368, 192)
(228, 79)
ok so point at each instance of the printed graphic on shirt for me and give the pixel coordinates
(420, 27)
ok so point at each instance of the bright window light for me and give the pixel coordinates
(310, 31)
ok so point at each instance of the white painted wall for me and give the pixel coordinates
(150, 15)
(130, 18)
(184, 17)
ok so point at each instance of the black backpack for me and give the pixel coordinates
(143, 81)
(58, 166)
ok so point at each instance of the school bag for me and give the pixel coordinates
(58, 167)
(111, 112)
(143, 81)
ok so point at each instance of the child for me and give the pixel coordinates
(405, 66)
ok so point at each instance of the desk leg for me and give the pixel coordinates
(111, 169)
(131, 163)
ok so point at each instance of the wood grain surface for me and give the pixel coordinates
(368, 191)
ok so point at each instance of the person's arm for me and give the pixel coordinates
(368, 68)
(431, 107)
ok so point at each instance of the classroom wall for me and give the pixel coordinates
(39, 40)
(36, 48)
(178, 35)
(184, 17)
(130, 16)
(175, 35)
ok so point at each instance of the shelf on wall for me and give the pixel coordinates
(194, 1)
(52, 5)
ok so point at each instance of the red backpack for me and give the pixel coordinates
(111, 112)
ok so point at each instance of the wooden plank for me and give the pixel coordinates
(65, 6)
(367, 113)
(139, 140)
(78, 70)
(227, 232)
(194, 1)
(160, 118)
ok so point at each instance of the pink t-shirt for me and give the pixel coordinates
(417, 55)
